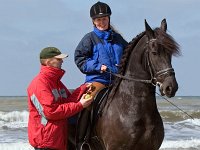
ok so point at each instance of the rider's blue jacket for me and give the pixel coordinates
(99, 48)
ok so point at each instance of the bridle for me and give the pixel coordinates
(153, 80)
(166, 71)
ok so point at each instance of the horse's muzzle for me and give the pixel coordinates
(169, 86)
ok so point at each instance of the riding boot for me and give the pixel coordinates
(82, 127)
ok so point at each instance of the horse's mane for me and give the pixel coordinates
(166, 40)
(127, 52)
(124, 59)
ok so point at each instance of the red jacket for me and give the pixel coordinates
(50, 104)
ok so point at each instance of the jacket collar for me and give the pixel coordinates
(52, 72)
(103, 34)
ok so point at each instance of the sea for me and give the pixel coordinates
(180, 114)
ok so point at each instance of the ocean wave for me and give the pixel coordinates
(190, 144)
(16, 146)
(14, 119)
(182, 130)
(195, 122)
(174, 116)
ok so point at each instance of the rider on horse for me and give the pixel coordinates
(99, 50)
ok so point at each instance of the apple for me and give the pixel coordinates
(88, 96)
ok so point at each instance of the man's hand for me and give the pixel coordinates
(86, 100)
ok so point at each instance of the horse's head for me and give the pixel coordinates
(160, 47)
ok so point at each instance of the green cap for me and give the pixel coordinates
(50, 52)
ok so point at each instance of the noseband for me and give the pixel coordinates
(153, 80)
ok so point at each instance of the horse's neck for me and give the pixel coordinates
(136, 69)
(136, 64)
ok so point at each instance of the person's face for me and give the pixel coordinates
(101, 23)
(55, 62)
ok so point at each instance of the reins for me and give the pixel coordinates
(150, 81)
(153, 79)
(129, 78)
(175, 106)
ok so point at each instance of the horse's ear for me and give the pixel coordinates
(149, 31)
(163, 25)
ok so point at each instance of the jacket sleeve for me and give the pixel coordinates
(83, 56)
(51, 109)
(77, 94)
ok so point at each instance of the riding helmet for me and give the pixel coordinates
(100, 9)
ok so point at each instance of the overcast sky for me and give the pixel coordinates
(27, 26)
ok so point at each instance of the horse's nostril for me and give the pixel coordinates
(168, 89)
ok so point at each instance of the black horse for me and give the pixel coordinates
(130, 119)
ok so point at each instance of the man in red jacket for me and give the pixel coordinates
(50, 103)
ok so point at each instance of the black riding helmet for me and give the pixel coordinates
(100, 9)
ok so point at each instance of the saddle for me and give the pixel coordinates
(87, 119)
